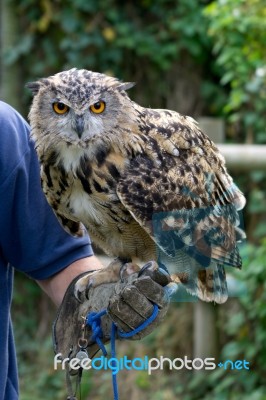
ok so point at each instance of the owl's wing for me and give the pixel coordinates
(189, 209)
(184, 204)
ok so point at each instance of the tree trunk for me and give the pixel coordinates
(183, 81)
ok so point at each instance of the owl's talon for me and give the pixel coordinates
(77, 295)
(121, 272)
(158, 274)
(81, 286)
(87, 290)
(149, 266)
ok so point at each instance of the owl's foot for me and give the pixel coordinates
(157, 273)
(115, 271)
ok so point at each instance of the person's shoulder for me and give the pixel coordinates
(14, 138)
(11, 119)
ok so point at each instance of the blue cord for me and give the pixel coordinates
(93, 319)
(113, 355)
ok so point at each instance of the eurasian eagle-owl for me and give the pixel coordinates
(147, 184)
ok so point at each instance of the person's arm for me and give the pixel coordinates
(55, 287)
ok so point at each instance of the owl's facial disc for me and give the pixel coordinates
(84, 117)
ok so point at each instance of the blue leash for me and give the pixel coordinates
(93, 319)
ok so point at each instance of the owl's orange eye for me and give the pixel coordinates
(60, 108)
(98, 107)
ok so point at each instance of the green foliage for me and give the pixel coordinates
(146, 40)
(245, 330)
(256, 204)
(138, 41)
(238, 29)
(97, 34)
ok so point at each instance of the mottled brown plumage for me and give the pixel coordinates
(147, 184)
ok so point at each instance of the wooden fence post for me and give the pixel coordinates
(205, 332)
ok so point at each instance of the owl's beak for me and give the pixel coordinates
(79, 125)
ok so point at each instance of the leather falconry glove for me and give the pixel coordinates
(129, 302)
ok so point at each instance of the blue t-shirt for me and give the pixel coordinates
(31, 239)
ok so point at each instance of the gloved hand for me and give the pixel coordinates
(128, 302)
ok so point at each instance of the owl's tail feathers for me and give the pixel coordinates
(212, 284)
(208, 285)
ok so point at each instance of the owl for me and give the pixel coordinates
(147, 184)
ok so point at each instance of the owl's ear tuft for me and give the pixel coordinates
(125, 86)
(34, 87)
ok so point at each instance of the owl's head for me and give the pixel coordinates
(78, 105)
